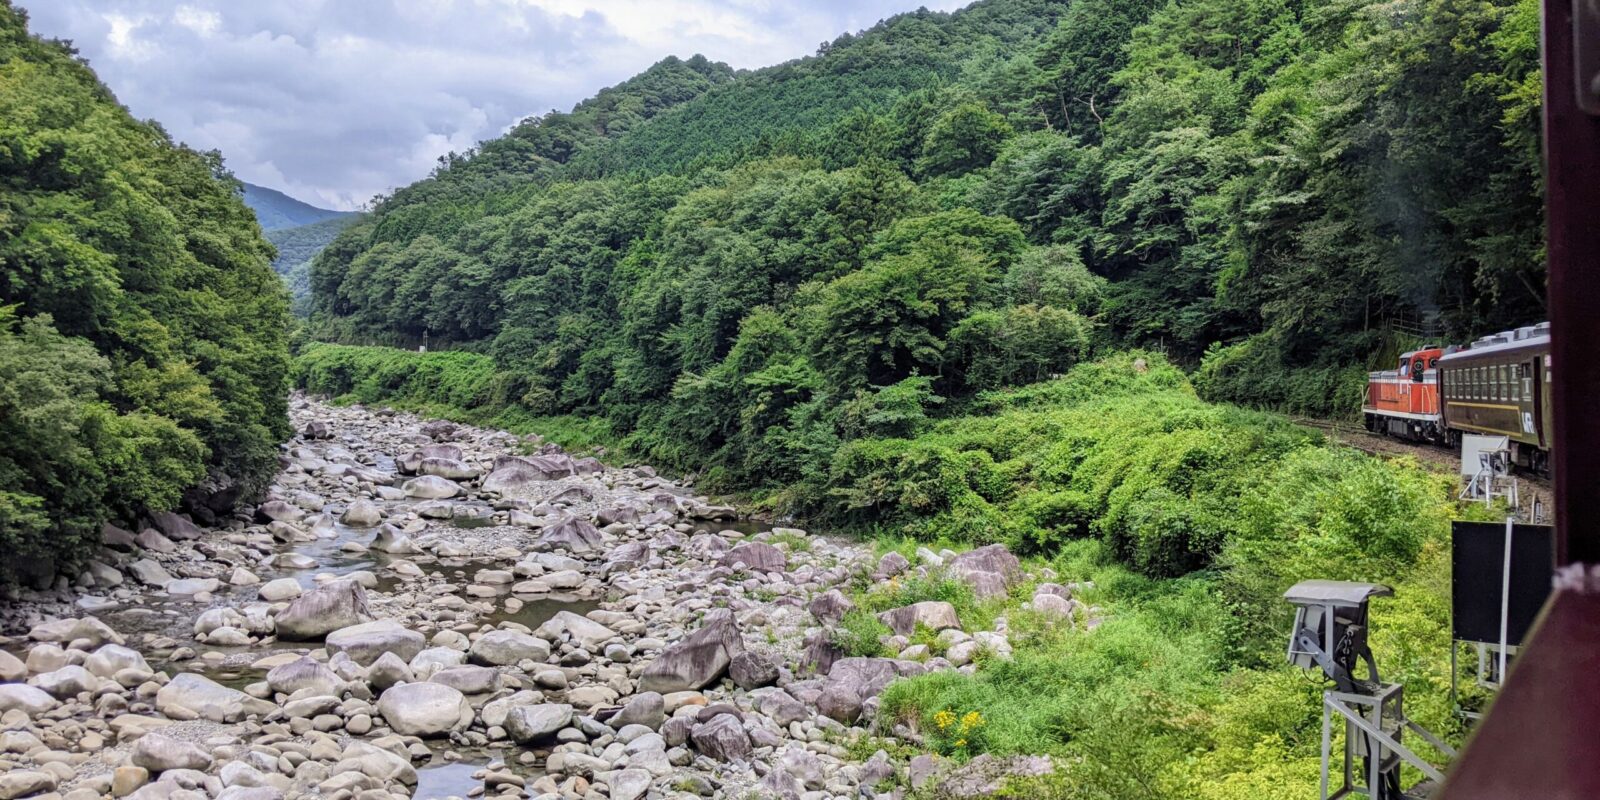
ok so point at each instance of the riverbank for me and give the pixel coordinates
(428, 609)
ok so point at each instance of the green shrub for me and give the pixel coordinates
(70, 462)
(1256, 373)
(860, 634)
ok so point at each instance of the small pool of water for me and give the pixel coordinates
(331, 558)
(436, 782)
(536, 612)
(745, 526)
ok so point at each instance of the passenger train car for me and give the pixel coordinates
(1498, 385)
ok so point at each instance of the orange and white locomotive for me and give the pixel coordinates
(1498, 385)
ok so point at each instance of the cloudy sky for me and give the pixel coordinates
(334, 101)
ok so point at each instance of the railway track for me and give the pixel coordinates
(1535, 490)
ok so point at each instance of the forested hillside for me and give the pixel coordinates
(276, 210)
(142, 332)
(1275, 194)
(297, 246)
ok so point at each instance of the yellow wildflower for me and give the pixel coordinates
(944, 719)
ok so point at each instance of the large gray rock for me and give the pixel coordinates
(646, 708)
(279, 511)
(434, 659)
(431, 487)
(11, 668)
(495, 712)
(513, 478)
(468, 679)
(532, 723)
(392, 541)
(450, 468)
(830, 607)
(440, 430)
(113, 658)
(175, 526)
(783, 709)
(820, 652)
(890, 565)
(629, 784)
(322, 610)
(71, 630)
(615, 514)
(1053, 605)
(839, 703)
(362, 514)
(425, 709)
(364, 643)
(697, 661)
(581, 629)
(275, 591)
(152, 540)
(389, 670)
(752, 670)
(803, 766)
(505, 648)
(207, 699)
(722, 738)
(931, 614)
(409, 464)
(990, 570)
(376, 763)
(623, 557)
(756, 556)
(67, 682)
(27, 698)
(26, 783)
(192, 586)
(158, 753)
(571, 534)
(987, 776)
(865, 677)
(150, 572)
(302, 673)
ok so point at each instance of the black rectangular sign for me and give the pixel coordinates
(1478, 557)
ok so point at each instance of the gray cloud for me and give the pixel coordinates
(334, 101)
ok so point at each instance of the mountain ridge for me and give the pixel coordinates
(275, 210)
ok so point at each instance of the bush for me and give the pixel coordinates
(1255, 373)
(1017, 345)
(859, 634)
(379, 374)
(70, 462)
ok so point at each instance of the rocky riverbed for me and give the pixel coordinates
(426, 609)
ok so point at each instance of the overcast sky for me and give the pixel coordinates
(333, 101)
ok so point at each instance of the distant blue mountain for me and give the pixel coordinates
(275, 210)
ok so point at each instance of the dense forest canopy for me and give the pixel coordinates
(1278, 194)
(142, 333)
